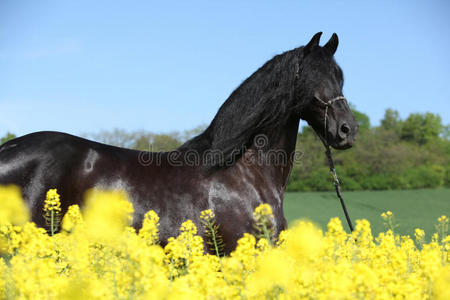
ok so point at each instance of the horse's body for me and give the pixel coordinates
(178, 185)
(176, 193)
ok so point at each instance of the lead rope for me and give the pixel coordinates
(330, 158)
(337, 186)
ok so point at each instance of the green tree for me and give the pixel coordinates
(361, 118)
(379, 159)
(156, 142)
(7, 137)
(422, 128)
(446, 133)
(115, 137)
(391, 120)
(141, 140)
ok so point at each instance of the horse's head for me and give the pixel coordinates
(326, 110)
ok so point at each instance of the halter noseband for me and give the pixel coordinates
(327, 104)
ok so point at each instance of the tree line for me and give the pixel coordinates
(398, 154)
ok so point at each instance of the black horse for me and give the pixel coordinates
(242, 159)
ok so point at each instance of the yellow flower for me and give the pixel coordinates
(213, 239)
(207, 215)
(386, 215)
(103, 258)
(188, 228)
(72, 219)
(441, 284)
(12, 207)
(182, 250)
(419, 234)
(52, 201)
(272, 275)
(264, 223)
(304, 241)
(246, 252)
(107, 213)
(262, 212)
(443, 219)
(150, 228)
(52, 211)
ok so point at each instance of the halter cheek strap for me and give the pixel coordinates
(327, 104)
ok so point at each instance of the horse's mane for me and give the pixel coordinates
(260, 105)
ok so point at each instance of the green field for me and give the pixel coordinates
(412, 208)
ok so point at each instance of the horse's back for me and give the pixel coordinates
(50, 150)
(43, 160)
(18, 157)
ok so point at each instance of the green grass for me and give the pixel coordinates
(412, 208)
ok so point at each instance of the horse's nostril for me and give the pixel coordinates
(345, 128)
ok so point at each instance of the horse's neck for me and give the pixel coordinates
(287, 143)
(280, 156)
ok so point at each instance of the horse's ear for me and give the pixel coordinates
(313, 43)
(332, 44)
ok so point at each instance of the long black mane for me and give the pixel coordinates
(260, 105)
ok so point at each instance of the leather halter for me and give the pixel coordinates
(327, 104)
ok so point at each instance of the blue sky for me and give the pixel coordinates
(83, 66)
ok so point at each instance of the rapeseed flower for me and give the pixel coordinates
(52, 201)
(98, 256)
(52, 210)
(150, 228)
(12, 209)
(106, 215)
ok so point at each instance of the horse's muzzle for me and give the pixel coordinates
(345, 137)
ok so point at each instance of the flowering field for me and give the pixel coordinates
(97, 256)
